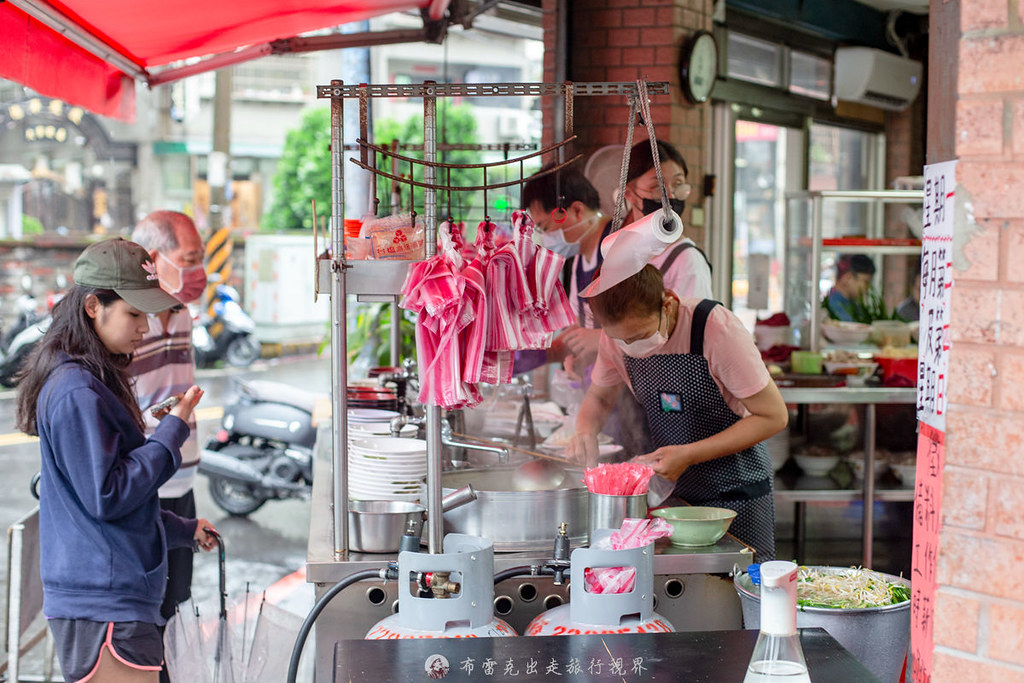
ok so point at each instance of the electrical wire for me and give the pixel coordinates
(307, 625)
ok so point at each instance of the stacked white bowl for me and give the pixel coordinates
(385, 467)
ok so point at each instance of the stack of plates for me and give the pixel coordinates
(371, 429)
(386, 468)
(370, 416)
(363, 397)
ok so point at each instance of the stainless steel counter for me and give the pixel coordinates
(869, 397)
(322, 566)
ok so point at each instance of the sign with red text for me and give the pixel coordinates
(936, 282)
(931, 457)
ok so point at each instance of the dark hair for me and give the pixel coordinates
(568, 182)
(638, 294)
(854, 263)
(641, 160)
(72, 333)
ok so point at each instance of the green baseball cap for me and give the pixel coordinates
(126, 268)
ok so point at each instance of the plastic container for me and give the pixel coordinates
(767, 336)
(890, 333)
(352, 227)
(877, 636)
(806, 362)
(905, 368)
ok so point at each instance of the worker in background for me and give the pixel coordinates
(854, 273)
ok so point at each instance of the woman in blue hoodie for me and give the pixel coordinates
(103, 536)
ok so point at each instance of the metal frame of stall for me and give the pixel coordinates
(382, 280)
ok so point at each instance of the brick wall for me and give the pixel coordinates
(979, 622)
(622, 40)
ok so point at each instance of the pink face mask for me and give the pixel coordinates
(192, 282)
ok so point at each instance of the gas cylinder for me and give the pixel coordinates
(446, 595)
(588, 612)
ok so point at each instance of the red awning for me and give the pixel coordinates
(87, 51)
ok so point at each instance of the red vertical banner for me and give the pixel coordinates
(931, 458)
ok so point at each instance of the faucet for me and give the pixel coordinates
(448, 439)
(399, 421)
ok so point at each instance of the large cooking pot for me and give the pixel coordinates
(517, 520)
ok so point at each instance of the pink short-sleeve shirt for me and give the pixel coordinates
(733, 359)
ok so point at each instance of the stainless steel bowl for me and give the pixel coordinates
(377, 526)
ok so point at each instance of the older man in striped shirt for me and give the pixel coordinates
(163, 365)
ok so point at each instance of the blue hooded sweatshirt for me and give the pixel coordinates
(103, 536)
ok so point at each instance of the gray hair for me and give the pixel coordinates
(156, 231)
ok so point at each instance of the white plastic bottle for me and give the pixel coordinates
(778, 656)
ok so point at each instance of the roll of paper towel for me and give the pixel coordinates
(627, 251)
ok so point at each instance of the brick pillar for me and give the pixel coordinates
(979, 620)
(622, 40)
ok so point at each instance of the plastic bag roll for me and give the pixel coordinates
(627, 251)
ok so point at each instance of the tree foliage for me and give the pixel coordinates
(304, 171)
(455, 125)
(303, 174)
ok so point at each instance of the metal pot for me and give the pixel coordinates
(377, 526)
(517, 520)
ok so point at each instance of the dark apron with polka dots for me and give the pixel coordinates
(683, 405)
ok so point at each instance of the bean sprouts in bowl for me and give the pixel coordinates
(875, 627)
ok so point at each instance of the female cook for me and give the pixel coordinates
(708, 399)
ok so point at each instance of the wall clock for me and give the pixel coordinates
(700, 66)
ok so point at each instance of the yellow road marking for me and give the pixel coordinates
(18, 438)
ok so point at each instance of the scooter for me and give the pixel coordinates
(264, 448)
(17, 342)
(228, 334)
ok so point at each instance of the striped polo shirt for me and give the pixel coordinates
(163, 366)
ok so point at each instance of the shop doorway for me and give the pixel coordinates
(759, 157)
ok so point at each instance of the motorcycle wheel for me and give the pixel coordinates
(242, 351)
(234, 498)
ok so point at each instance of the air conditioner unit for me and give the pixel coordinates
(876, 77)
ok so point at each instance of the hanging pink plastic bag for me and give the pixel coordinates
(396, 237)
(634, 533)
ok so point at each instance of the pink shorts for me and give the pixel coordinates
(137, 644)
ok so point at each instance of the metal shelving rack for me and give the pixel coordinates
(382, 280)
(874, 245)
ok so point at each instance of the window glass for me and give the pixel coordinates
(810, 75)
(754, 60)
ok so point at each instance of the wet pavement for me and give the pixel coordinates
(261, 549)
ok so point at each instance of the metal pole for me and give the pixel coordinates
(339, 338)
(816, 230)
(435, 521)
(16, 534)
(221, 146)
(868, 531)
(396, 334)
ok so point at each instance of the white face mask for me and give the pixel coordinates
(554, 240)
(648, 346)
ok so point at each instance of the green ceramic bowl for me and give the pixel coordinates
(696, 526)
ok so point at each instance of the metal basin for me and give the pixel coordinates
(517, 520)
(877, 636)
(377, 526)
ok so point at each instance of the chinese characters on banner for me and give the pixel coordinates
(936, 281)
(931, 457)
(932, 372)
